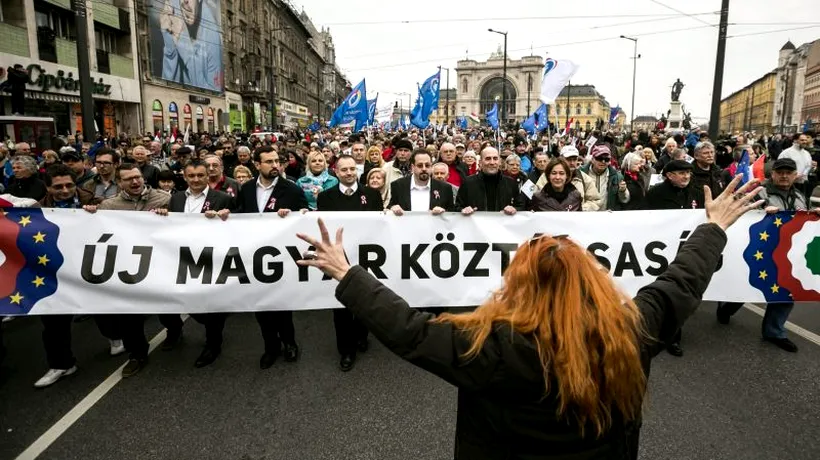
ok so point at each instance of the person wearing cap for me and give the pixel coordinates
(780, 193)
(579, 179)
(400, 165)
(608, 180)
(675, 192)
(799, 153)
(76, 161)
(521, 151)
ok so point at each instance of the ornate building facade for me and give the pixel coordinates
(480, 86)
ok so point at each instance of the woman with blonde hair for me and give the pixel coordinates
(242, 174)
(317, 178)
(374, 158)
(555, 363)
(377, 179)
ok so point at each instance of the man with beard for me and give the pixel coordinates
(400, 166)
(351, 335)
(419, 191)
(199, 198)
(104, 183)
(675, 192)
(273, 193)
(489, 190)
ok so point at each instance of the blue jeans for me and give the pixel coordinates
(774, 320)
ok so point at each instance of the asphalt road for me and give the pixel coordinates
(730, 397)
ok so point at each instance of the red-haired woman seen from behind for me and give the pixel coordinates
(555, 363)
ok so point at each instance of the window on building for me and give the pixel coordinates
(557, 109)
(578, 109)
(464, 86)
(105, 40)
(589, 109)
(587, 126)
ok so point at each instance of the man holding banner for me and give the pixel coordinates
(272, 193)
(489, 190)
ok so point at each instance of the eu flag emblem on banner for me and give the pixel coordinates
(492, 116)
(29, 259)
(353, 108)
(784, 257)
(613, 114)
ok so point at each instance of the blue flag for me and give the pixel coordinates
(744, 168)
(613, 114)
(371, 110)
(537, 120)
(430, 95)
(417, 114)
(353, 108)
(462, 122)
(315, 126)
(492, 116)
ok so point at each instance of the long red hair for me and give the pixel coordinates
(586, 330)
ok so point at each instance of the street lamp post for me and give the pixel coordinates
(446, 96)
(504, 81)
(635, 57)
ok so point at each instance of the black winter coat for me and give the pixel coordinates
(30, 187)
(473, 193)
(502, 411)
(637, 195)
(667, 196)
(713, 177)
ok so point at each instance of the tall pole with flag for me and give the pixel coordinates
(556, 75)
(352, 108)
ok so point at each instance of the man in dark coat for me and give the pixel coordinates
(351, 335)
(419, 191)
(675, 192)
(272, 193)
(489, 190)
(705, 171)
(199, 198)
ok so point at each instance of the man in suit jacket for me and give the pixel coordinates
(489, 190)
(351, 335)
(419, 191)
(199, 198)
(272, 193)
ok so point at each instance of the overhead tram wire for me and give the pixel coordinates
(558, 32)
(581, 42)
(682, 12)
(521, 18)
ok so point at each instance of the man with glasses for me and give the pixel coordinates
(217, 180)
(104, 185)
(64, 193)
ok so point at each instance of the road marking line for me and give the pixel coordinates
(806, 334)
(47, 439)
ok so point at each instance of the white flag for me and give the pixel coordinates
(555, 76)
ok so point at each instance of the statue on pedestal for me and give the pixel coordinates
(677, 87)
(687, 121)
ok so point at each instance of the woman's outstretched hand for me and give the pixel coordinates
(731, 204)
(327, 257)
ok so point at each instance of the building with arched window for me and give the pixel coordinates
(481, 84)
(584, 105)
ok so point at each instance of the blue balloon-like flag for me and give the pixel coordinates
(353, 108)
(537, 120)
(492, 116)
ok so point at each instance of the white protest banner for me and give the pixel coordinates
(69, 261)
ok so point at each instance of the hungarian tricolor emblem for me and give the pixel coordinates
(784, 256)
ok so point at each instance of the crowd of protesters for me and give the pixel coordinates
(447, 170)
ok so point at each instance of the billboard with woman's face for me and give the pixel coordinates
(186, 42)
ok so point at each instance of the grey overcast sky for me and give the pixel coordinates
(373, 43)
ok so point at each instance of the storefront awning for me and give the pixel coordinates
(52, 97)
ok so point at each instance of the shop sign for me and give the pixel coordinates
(210, 113)
(199, 99)
(199, 113)
(156, 108)
(186, 110)
(173, 110)
(39, 77)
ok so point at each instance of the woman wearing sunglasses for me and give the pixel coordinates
(555, 363)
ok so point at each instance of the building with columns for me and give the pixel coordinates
(480, 86)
